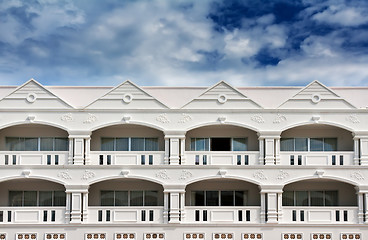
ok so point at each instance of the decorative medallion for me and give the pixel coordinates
(357, 175)
(185, 118)
(127, 98)
(257, 119)
(185, 175)
(31, 97)
(222, 119)
(246, 236)
(259, 175)
(316, 118)
(282, 175)
(68, 117)
(125, 173)
(64, 175)
(31, 118)
(126, 118)
(316, 98)
(90, 119)
(87, 175)
(353, 118)
(222, 173)
(26, 173)
(162, 174)
(222, 98)
(350, 236)
(163, 118)
(279, 118)
(320, 173)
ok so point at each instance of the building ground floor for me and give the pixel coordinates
(184, 231)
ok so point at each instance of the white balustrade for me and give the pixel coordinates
(241, 214)
(31, 215)
(33, 157)
(222, 158)
(127, 158)
(317, 158)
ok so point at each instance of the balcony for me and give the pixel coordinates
(33, 157)
(147, 215)
(317, 158)
(222, 158)
(32, 215)
(320, 215)
(127, 157)
(246, 214)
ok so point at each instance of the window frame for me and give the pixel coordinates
(130, 144)
(22, 142)
(209, 144)
(219, 198)
(336, 192)
(308, 147)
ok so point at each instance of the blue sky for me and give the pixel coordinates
(184, 42)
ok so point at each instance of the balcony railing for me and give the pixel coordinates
(222, 158)
(99, 214)
(246, 214)
(317, 158)
(127, 158)
(32, 215)
(316, 215)
(33, 157)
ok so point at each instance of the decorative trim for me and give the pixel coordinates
(90, 119)
(55, 235)
(257, 119)
(97, 236)
(316, 118)
(222, 173)
(225, 236)
(260, 175)
(316, 98)
(287, 236)
(344, 236)
(154, 236)
(320, 173)
(357, 175)
(246, 236)
(194, 235)
(222, 98)
(353, 118)
(126, 118)
(32, 236)
(125, 173)
(185, 118)
(162, 174)
(222, 119)
(282, 175)
(31, 118)
(321, 236)
(88, 174)
(127, 98)
(31, 97)
(68, 117)
(26, 173)
(279, 118)
(3, 236)
(185, 174)
(130, 236)
(163, 118)
(65, 175)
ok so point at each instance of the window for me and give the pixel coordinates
(310, 198)
(308, 144)
(36, 144)
(37, 198)
(219, 144)
(129, 144)
(218, 198)
(129, 198)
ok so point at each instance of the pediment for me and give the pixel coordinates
(32, 95)
(221, 96)
(126, 96)
(316, 96)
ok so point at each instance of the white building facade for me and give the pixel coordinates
(185, 163)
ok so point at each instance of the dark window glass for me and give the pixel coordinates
(107, 198)
(331, 198)
(212, 198)
(240, 198)
(200, 144)
(122, 144)
(45, 198)
(136, 198)
(288, 198)
(287, 144)
(316, 144)
(61, 144)
(330, 144)
(150, 198)
(316, 198)
(240, 144)
(15, 198)
(301, 144)
(197, 198)
(30, 198)
(151, 144)
(47, 144)
(137, 144)
(227, 198)
(107, 144)
(121, 198)
(220, 144)
(59, 198)
(301, 198)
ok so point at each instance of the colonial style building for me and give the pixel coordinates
(171, 163)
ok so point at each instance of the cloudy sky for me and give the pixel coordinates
(184, 42)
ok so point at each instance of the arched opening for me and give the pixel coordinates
(33, 144)
(319, 200)
(222, 144)
(127, 144)
(128, 200)
(32, 200)
(317, 144)
(220, 200)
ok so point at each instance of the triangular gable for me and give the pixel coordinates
(32, 95)
(220, 96)
(126, 96)
(316, 96)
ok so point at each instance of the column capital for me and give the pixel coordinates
(76, 188)
(175, 134)
(269, 134)
(271, 188)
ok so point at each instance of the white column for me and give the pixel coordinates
(364, 151)
(182, 151)
(277, 151)
(166, 207)
(182, 206)
(270, 151)
(174, 207)
(263, 207)
(365, 197)
(167, 151)
(87, 151)
(272, 207)
(67, 207)
(85, 207)
(78, 158)
(261, 151)
(279, 207)
(356, 151)
(71, 151)
(174, 151)
(360, 196)
(76, 208)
